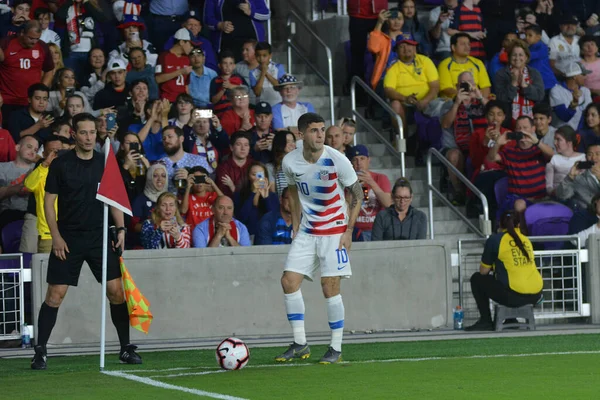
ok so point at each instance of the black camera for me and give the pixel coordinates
(134, 147)
(466, 86)
(585, 164)
(515, 136)
(199, 179)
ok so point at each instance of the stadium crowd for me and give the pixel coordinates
(200, 115)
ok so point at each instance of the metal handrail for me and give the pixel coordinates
(294, 16)
(400, 141)
(269, 37)
(485, 226)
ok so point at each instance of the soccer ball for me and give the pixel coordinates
(232, 354)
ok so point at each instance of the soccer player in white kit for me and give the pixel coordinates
(322, 222)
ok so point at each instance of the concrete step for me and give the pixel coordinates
(315, 90)
(442, 213)
(412, 173)
(457, 227)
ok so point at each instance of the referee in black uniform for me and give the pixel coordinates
(77, 237)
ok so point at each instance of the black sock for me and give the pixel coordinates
(46, 321)
(120, 319)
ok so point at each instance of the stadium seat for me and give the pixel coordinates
(503, 313)
(501, 190)
(548, 219)
(11, 239)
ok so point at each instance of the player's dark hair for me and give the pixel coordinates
(279, 144)
(402, 183)
(226, 54)
(37, 87)
(239, 135)
(178, 131)
(309, 118)
(454, 39)
(41, 11)
(542, 108)
(263, 46)
(534, 28)
(82, 117)
(509, 220)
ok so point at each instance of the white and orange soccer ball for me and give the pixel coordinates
(232, 353)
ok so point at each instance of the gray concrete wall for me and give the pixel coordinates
(201, 293)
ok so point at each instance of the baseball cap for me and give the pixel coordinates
(263, 108)
(193, 14)
(116, 64)
(574, 69)
(569, 19)
(183, 34)
(360, 150)
(406, 38)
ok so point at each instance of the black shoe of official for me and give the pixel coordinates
(129, 356)
(481, 325)
(39, 359)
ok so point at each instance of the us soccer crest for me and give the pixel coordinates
(324, 175)
(35, 53)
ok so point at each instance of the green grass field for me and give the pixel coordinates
(543, 367)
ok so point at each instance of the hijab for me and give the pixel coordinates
(150, 190)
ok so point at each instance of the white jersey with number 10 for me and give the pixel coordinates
(321, 189)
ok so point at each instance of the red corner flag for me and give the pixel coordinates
(112, 188)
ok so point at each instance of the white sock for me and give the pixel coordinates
(335, 314)
(294, 307)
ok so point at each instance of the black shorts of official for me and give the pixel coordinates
(83, 246)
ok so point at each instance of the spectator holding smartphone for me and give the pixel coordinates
(107, 127)
(32, 120)
(255, 198)
(132, 29)
(566, 142)
(64, 85)
(166, 229)
(133, 165)
(261, 142)
(199, 197)
(205, 137)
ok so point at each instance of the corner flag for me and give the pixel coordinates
(140, 316)
(112, 188)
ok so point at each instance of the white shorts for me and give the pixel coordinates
(308, 252)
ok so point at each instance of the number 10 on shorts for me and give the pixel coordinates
(342, 256)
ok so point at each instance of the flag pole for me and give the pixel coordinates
(104, 267)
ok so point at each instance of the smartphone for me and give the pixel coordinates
(261, 180)
(200, 179)
(444, 9)
(394, 14)
(515, 136)
(466, 86)
(111, 121)
(585, 164)
(134, 147)
(70, 91)
(204, 113)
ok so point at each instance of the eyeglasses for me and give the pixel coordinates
(239, 97)
(402, 198)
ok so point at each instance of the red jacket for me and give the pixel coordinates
(235, 172)
(368, 9)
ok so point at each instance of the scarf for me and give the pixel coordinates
(521, 105)
(207, 151)
(211, 230)
(150, 190)
(73, 14)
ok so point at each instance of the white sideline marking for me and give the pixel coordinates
(391, 360)
(162, 385)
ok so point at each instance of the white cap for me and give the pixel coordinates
(183, 34)
(574, 69)
(115, 64)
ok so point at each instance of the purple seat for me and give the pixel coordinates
(11, 239)
(429, 131)
(501, 190)
(548, 219)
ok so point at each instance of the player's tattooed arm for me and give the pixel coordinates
(357, 195)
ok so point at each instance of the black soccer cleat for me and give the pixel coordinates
(39, 359)
(481, 325)
(129, 356)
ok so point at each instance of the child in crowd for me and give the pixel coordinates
(540, 59)
(222, 84)
(264, 77)
(199, 197)
(566, 141)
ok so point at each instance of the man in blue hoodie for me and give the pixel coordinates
(540, 56)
